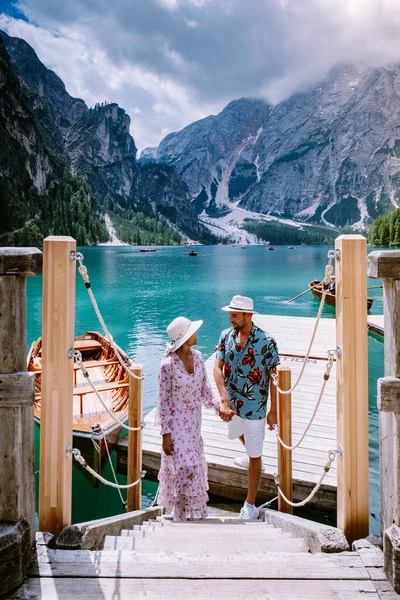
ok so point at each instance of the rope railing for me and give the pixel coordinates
(328, 368)
(331, 355)
(100, 429)
(79, 458)
(325, 282)
(85, 373)
(83, 271)
(331, 458)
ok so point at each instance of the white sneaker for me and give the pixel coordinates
(243, 462)
(249, 513)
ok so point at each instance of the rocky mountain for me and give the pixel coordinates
(210, 154)
(90, 143)
(27, 166)
(45, 92)
(330, 155)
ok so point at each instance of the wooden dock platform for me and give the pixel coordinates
(229, 481)
(375, 324)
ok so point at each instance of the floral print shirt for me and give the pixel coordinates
(246, 370)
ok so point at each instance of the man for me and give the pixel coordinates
(246, 358)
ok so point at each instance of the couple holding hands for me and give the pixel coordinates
(246, 357)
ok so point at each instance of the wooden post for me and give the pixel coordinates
(17, 394)
(385, 265)
(135, 440)
(58, 323)
(285, 433)
(352, 386)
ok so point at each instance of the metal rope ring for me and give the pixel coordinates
(332, 455)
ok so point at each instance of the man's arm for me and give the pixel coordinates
(272, 416)
(225, 411)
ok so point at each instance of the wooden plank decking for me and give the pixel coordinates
(375, 324)
(225, 479)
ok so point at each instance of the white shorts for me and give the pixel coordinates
(253, 431)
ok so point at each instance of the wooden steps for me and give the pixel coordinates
(221, 557)
(195, 589)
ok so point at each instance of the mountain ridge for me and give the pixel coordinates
(91, 144)
(329, 155)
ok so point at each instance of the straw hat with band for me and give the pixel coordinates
(240, 304)
(179, 331)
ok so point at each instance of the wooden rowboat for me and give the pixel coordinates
(330, 299)
(112, 382)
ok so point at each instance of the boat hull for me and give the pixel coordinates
(112, 382)
(330, 299)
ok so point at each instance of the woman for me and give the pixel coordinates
(183, 388)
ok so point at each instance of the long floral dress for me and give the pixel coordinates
(183, 476)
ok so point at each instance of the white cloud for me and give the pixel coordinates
(170, 62)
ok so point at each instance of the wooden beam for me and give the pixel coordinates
(58, 322)
(17, 481)
(285, 433)
(386, 265)
(17, 495)
(389, 394)
(135, 440)
(20, 261)
(352, 386)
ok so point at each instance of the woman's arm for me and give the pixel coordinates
(207, 394)
(164, 412)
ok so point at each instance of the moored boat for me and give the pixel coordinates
(317, 289)
(148, 250)
(93, 426)
(192, 253)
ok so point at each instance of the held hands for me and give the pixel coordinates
(225, 411)
(272, 419)
(167, 444)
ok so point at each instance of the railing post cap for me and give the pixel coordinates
(20, 261)
(384, 264)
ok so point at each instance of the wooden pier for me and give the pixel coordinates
(375, 324)
(229, 481)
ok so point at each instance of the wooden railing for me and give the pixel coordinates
(17, 483)
(385, 265)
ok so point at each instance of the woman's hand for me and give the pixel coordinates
(167, 444)
(225, 411)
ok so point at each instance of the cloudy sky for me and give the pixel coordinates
(171, 62)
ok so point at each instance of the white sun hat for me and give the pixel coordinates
(240, 304)
(179, 331)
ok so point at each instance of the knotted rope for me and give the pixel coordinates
(79, 458)
(331, 458)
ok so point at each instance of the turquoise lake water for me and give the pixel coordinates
(140, 293)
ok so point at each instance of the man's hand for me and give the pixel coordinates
(225, 411)
(167, 444)
(272, 419)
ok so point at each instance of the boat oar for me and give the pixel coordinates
(298, 296)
